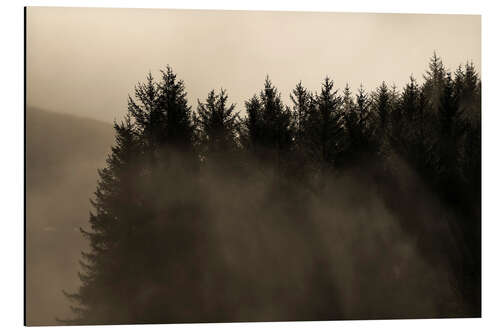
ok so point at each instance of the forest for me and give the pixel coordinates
(345, 204)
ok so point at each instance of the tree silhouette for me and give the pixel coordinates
(382, 106)
(302, 103)
(268, 126)
(218, 124)
(153, 255)
(114, 227)
(323, 128)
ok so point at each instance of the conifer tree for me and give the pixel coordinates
(323, 126)
(268, 127)
(302, 100)
(218, 124)
(450, 132)
(409, 101)
(470, 96)
(140, 185)
(434, 79)
(149, 249)
(161, 111)
(145, 109)
(458, 81)
(382, 107)
(363, 104)
(347, 101)
(403, 119)
(250, 132)
(115, 223)
(276, 119)
(359, 125)
(177, 128)
(470, 109)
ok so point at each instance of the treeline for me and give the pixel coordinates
(178, 179)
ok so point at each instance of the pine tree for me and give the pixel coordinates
(458, 81)
(450, 132)
(162, 115)
(115, 222)
(469, 98)
(177, 128)
(149, 259)
(382, 107)
(276, 119)
(268, 127)
(302, 100)
(347, 101)
(250, 132)
(144, 190)
(403, 120)
(324, 132)
(363, 110)
(434, 80)
(409, 101)
(470, 108)
(217, 124)
(359, 125)
(145, 109)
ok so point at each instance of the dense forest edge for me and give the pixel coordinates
(343, 205)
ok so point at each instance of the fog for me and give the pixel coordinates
(61, 175)
(86, 60)
(254, 249)
(260, 251)
(278, 253)
(230, 248)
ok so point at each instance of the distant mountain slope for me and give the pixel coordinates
(63, 153)
(55, 140)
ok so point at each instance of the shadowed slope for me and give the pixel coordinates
(63, 153)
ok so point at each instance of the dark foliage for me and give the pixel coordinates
(209, 217)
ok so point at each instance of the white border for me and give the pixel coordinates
(11, 81)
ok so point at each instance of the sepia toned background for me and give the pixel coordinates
(91, 58)
(83, 62)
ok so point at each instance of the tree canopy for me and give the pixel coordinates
(152, 258)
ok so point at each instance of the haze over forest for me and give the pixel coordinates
(305, 200)
(63, 153)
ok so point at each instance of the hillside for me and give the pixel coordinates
(63, 153)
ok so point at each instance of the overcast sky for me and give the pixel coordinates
(86, 61)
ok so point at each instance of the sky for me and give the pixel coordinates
(86, 61)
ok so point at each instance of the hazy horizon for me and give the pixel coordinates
(91, 58)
